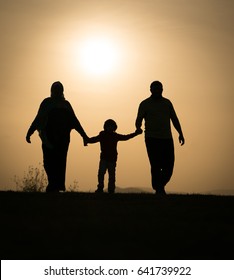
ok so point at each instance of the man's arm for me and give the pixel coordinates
(177, 126)
(139, 119)
(122, 137)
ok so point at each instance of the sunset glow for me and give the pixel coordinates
(98, 56)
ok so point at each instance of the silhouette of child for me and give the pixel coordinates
(108, 139)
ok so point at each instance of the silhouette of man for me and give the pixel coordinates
(54, 121)
(158, 112)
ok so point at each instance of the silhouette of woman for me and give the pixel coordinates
(54, 121)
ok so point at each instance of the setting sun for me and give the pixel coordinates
(98, 56)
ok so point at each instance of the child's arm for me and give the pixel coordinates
(126, 137)
(94, 139)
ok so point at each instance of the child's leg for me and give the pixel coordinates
(111, 170)
(101, 174)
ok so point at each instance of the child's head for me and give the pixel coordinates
(110, 125)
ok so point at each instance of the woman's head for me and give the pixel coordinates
(57, 90)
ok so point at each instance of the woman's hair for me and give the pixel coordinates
(57, 90)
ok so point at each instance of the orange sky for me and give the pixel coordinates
(188, 45)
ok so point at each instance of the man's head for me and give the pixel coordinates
(57, 90)
(110, 125)
(156, 89)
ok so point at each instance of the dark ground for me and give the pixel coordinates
(121, 226)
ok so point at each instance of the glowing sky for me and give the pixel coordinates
(188, 45)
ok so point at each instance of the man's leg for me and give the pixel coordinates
(168, 161)
(153, 147)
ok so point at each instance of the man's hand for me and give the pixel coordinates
(138, 131)
(181, 140)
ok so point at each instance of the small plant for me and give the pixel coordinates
(74, 187)
(35, 180)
